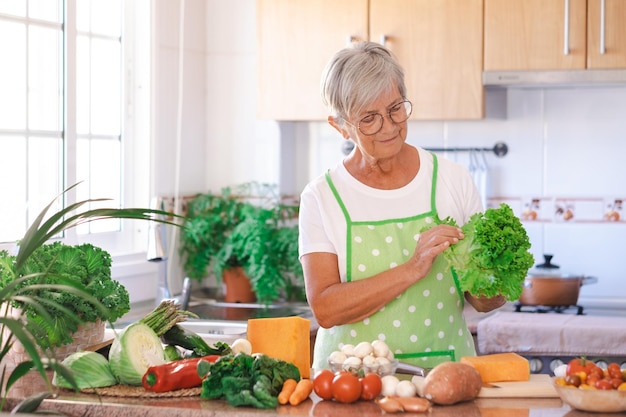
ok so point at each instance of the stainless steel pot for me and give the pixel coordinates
(546, 285)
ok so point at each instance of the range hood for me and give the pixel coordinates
(560, 78)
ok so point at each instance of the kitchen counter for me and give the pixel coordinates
(78, 404)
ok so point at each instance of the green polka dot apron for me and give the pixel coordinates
(424, 325)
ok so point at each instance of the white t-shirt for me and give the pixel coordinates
(322, 223)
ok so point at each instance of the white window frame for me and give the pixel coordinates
(136, 183)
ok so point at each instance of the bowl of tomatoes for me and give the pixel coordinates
(587, 387)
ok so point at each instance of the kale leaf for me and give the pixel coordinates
(245, 380)
(84, 267)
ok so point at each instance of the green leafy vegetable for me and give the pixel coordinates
(494, 256)
(89, 369)
(244, 380)
(86, 267)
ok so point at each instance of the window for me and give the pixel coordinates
(71, 111)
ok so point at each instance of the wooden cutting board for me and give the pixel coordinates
(539, 386)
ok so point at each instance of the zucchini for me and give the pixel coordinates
(190, 340)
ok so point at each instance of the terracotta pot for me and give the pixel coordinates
(545, 285)
(237, 288)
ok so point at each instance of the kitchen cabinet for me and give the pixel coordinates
(295, 39)
(554, 34)
(606, 34)
(439, 44)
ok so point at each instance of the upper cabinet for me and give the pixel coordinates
(439, 44)
(295, 39)
(606, 34)
(554, 34)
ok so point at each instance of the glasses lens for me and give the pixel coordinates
(371, 124)
(400, 112)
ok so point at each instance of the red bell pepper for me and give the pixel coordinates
(175, 375)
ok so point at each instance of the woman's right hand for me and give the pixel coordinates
(430, 244)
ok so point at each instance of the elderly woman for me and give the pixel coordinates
(368, 246)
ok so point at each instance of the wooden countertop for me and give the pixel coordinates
(78, 404)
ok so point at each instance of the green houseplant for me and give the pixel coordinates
(33, 281)
(248, 226)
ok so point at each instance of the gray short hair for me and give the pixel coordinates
(357, 75)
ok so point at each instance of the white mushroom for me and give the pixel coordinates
(337, 357)
(241, 346)
(348, 349)
(390, 382)
(419, 382)
(384, 366)
(380, 348)
(351, 362)
(369, 360)
(363, 349)
(406, 389)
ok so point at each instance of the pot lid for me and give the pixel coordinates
(548, 269)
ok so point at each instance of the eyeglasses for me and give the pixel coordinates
(373, 123)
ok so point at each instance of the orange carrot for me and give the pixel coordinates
(304, 388)
(289, 386)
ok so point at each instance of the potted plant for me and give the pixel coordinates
(35, 283)
(250, 227)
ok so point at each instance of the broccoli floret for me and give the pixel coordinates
(494, 256)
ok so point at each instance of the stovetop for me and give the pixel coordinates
(571, 309)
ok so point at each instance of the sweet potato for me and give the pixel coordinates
(451, 383)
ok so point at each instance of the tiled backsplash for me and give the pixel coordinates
(564, 209)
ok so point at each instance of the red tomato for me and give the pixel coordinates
(371, 386)
(604, 384)
(592, 379)
(597, 371)
(322, 384)
(580, 365)
(614, 371)
(346, 387)
(616, 382)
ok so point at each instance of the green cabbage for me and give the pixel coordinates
(89, 369)
(133, 351)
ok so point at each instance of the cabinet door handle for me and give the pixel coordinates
(351, 39)
(566, 29)
(383, 39)
(602, 26)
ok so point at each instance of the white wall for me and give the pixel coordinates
(562, 142)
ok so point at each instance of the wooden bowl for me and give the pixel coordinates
(607, 401)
